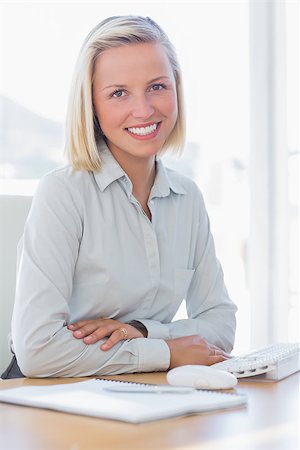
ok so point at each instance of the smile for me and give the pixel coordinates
(143, 131)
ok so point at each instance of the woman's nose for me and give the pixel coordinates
(142, 107)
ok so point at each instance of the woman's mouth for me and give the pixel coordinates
(144, 132)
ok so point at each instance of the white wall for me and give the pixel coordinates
(13, 213)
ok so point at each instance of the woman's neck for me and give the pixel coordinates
(141, 172)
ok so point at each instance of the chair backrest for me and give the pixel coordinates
(13, 213)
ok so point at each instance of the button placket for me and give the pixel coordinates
(150, 240)
(152, 251)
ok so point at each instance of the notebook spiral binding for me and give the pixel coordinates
(126, 382)
(137, 383)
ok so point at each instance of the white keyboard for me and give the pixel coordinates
(273, 362)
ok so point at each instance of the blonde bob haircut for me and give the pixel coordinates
(83, 132)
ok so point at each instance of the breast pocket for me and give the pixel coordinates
(182, 281)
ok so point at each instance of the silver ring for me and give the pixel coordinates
(125, 332)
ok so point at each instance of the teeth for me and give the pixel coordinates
(142, 131)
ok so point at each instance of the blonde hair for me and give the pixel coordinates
(82, 127)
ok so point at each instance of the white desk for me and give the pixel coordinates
(270, 421)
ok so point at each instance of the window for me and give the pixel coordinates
(293, 126)
(273, 258)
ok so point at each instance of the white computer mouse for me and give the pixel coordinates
(201, 377)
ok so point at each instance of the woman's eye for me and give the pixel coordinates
(158, 87)
(117, 94)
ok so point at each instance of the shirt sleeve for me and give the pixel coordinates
(211, 313)
(47, 255)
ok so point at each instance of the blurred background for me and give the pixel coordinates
(240, 63)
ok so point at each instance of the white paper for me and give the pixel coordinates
(90, 399)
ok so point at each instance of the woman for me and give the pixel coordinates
(115, 241)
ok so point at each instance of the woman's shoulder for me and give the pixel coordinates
(192, 198)
(64, 186)
(66, 176)
(186, 183)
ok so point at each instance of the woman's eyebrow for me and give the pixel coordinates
(158, 78)
(122, 86)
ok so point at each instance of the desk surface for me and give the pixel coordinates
(270, 421)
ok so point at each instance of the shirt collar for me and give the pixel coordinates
(112, 171)
(165, 181)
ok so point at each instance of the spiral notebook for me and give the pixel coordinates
(93, 398)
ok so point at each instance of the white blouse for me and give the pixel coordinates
(89, 250)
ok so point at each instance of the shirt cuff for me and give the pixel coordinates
(156, 329)
(154, 355)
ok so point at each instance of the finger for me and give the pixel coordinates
(77, 325)
(97, 335)
(81, 323)
(102, 332)
(86, 330)
(117, 336)
(214, 350)
(89, 327)
(215, 359)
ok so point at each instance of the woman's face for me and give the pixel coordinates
(135, 99)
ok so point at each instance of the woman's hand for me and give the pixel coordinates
(92, 331)
(194, 350)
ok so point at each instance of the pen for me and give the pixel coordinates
(156, 389)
